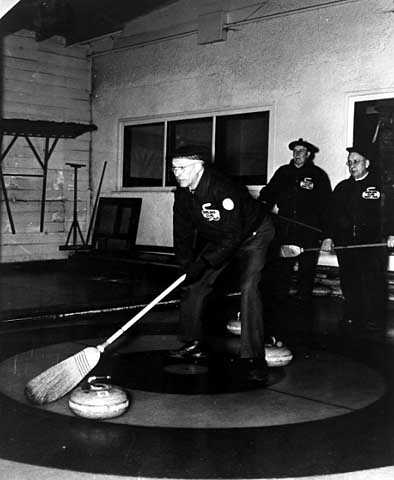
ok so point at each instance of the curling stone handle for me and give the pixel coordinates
(141, 313)
(98, 383)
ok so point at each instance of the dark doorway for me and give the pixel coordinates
(374, 129)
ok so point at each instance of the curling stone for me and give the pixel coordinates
(98, 399)
(275, 356)
(278, 356)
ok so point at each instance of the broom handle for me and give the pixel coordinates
(345, 247)
(297, 222)
(95, 203)
(292, 220)
(141, 313)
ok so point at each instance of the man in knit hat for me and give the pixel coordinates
(299, 191)
(233, 226)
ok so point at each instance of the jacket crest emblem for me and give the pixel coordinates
(307, 183)
(371, 193)
(210, 214)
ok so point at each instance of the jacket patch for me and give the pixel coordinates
(211, 214)
(371, 193)
(228, 204)
(307, 183)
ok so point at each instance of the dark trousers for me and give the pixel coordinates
(277, 282)
(363, 282)
(251, 257)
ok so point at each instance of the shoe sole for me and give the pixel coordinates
(187, 357)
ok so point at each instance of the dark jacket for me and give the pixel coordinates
(220, 211)
(301, 194)
(358, 211)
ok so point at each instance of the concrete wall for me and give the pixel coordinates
(43, 81)
(306, 59)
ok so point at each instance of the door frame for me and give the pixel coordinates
(366, 96)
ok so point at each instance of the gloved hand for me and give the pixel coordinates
(195, 271)
(327, 245)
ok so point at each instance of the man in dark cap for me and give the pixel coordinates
(233, 225)
(300, 193)
(358, 218)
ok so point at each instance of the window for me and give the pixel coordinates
(238, 142)
(197, 131)
(143, 155)
(242, 146)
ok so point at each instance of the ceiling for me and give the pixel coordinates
(76, 20)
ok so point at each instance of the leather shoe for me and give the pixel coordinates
(256, 375)
(256, 370)
(189, 351)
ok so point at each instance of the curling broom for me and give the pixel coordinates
(290, 251)
(93, 215)
(58, 380)
(293, 220)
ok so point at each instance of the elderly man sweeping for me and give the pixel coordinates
(233, 226)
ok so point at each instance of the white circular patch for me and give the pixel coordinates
(228, 204)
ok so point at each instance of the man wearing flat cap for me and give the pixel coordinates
(300, 193)
(358, 218)
(233, 225)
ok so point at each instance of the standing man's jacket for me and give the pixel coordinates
(301, 194)
(223, 214)
(361, 211)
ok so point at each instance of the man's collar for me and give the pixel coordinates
(306, 163)
(361, 178)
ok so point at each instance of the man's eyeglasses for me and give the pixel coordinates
(181, 168)
(351, 163)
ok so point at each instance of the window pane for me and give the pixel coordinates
(196, 131)
(143, 155)
(242, 146)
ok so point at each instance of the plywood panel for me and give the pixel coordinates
(33, 238)
(55, 45)
(32, 207)
(32, 67)
(38, 89)
(36, 111)
(20, 46)
(21, 74)
(28, 195)
(32, 226)
(45, 249)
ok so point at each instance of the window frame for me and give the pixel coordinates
(166, 118)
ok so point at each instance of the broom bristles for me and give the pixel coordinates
(57, 381)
